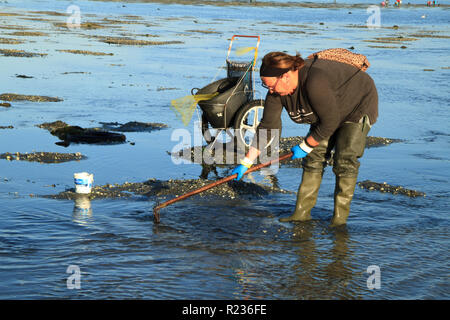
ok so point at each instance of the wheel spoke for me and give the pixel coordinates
(255, 117)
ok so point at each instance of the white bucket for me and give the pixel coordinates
(83, 182)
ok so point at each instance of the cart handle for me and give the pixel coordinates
(242, 36)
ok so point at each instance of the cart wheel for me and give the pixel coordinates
(247, 120)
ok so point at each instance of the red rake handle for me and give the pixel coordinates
(212, 185)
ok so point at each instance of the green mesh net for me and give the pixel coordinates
(185, 106)
(243, 50)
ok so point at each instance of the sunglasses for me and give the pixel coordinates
(271, 87)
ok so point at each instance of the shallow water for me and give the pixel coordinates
(218, 249)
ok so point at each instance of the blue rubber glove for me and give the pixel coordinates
(298, 152)
(240, 170)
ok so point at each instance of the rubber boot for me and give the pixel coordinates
(343, 195)
(349, 147)
(306, 197)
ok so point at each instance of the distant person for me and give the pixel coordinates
(340, 102)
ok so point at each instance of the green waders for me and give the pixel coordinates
(349, 142)
(306, 196)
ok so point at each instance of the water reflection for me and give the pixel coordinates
(248, 284)
(269, 178)
(321, 272)
(339, 271)
(207, 169)
(82, 211)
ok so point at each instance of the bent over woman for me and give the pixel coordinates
(340, 102)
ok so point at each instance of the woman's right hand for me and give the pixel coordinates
(298, 152)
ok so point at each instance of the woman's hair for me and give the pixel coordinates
(283, 60)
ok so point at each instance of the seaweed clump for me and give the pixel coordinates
(43, 157)
(371, 142)
(384, 187)
(158, 188)
(84, 25)
(20, 53)
(22, 97)
(10, 41)
(134, 42)
(75, 134)
(225, 153)
(85, 52)
(133, 126)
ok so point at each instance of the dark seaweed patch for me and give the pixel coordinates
(20, 53)
(32, 98)
(42, 157)
(158, 188)
(75, 134)
(133, 126)
(384, 187)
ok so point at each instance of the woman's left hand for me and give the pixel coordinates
(240, 170)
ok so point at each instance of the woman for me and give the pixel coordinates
(340, 102)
